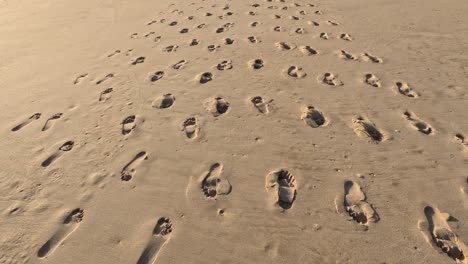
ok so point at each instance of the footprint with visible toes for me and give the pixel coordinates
(224, 65)
(312, 117)
(406, 90)
(364, 128)
(69, 224)
(372, 80)
(281, 188)
(65, 147)
(51, 121)
(296, 72)
(217, 106)
(356, 205)
(418, 124)
(331, 79)
(161, 235)
(165, 101)
(105, 95)
(260, 104)
(191, 128)
(35, 116)
(128, 172)
(214, 183)
(128, 124)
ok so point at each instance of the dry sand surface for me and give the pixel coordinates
(259, 131)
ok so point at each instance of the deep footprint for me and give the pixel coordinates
(165, 101)
(406, 90)
(281, 186)
(65, 147)
(190, 127)
(128, 124)
(356, 205)
(312, 117)
(214, 184)
(366, 129)
(418, 124)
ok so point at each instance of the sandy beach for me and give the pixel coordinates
(266, 131)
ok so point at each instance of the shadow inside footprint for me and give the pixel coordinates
(281, 185)
(35, 116)
(356, 205)
(313, 117)
(214, 184)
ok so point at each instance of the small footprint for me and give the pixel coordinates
(205, 77)
(179, 65)
(356, 205)
(35, 116)
(439, 234)
(128, 172)
(161, 235)
(313, 23)
(346, 37)
(157, 76)
(278, 29)
(217, 106)
(228, 41)
(372, 80)
(324, 36)
(418, 124)
(194, 42)
(300, 31)
(184, 30)
(220, 30)
(51, 121)
(165, 101)
(224, 65)
(79, 78)
(105, 95)
(171, 48)
(138, 60)
(257, 64)
(331, 79)
(372, 58)
(406, 90)
(285, 46)
(128, 124)
(65, 147)
(253, 39)
(312, 117)
(191, 128)
(366, 129)
(261, 105)
(214, 183)
(332, 23)
(346, 55)
(108, 76)
(281, 187)
(308, 50)
(254, 24)
(296, 72)
(69, 224)
(114, 53)
(212, 48)
(134, 35)
(149, 34)
(460, 138)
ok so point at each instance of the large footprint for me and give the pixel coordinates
(418, 124)
(161, 235)
(214, 183)
(128, 172)
(70, 223)
(366, 129)
(36, 116)
(281, 187)
(65, 147)
(439, 234)
(356, 205)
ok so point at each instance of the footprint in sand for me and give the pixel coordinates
(332, 23)
(324, 36)
(256, 64)
(313, 23)
(161, 235)
(356, 205)
(170, 48)
(346, 55)
(296, 72)
(439, 234)
(460, 139)
(253, 24)
(128, 124)
(105, 95)
(179, 65)
(51, 121)
(79, 78)
(312, 117)
(260, 104)
(149, 34)
(138, 60)
(220, 30)
(224, 65)
(330, 79)
(364, 128)
(194, 42)
(285, 46)
(372, 80)
(372, 58)
(164, 101)
(217, 106)
(212, 48)
(65, 147)
(128, 172)
(214, 183)
(184, 30)
(278, 29)
(35, 116)
(346, 37)
(253, 39)
(157, 76)
(114, 53)
(191, 128)
(281, 187)
(308, 50)
(406, 90)
(418, 124)
(69, 224)
(205, 77)
(107, 77)
(228, 41)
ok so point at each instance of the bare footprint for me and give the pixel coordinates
(256, 64)
(439, 234)
(179, 65)
(191, 128)
(285, 46)
(228, 41)
(330, 79)
(138, 60)
(372, 80)
(260, 104)
(346, 37)
(51, 121)
(418, 124)
(107, 77)
(128, 172)
(346, 55)
(308, 50)
(194, 42)
(217, 106)
(364, 128)
(372, 58)
(312, 117)
(300, 31)
(212, 48)
(253, 39)
(128, 124)
(164, 101)
(460, 139)
(324, 36)
(79, 78)
(281, 187)
(116, 52)
(171, 48)
(214, 183)
(157, 76)
(105, 95)
(205, 77)
(406, 90)
(296, 72)
(224, 65)
(161, 235)
(69, 224)
(35, 116)
(356, 205)
(65, 147)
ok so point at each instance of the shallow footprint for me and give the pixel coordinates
(107, 77)
(356, 205)
(308, 50)
(128, 172)
(285, 46)
(439, 234)
(366, 129)
(372, 58)
(79, 78)
(190, 127)
(214, 184)
(406, 90)
(69, 224)
(261, 105)
(346, 37)
(179, 65)
(217, 106)
(346, 55)
(51, 121)
(296, 72)
(460, 138)
(312, 117)
(257, 64)
(65, 147)
(161, 235)
(281, 187)
(105, 95)
(330, 79)
(372, 80)
(36, 116)
(157, 76)
(224, 65)
(164, 101)
(128, 124)
(418, 124)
